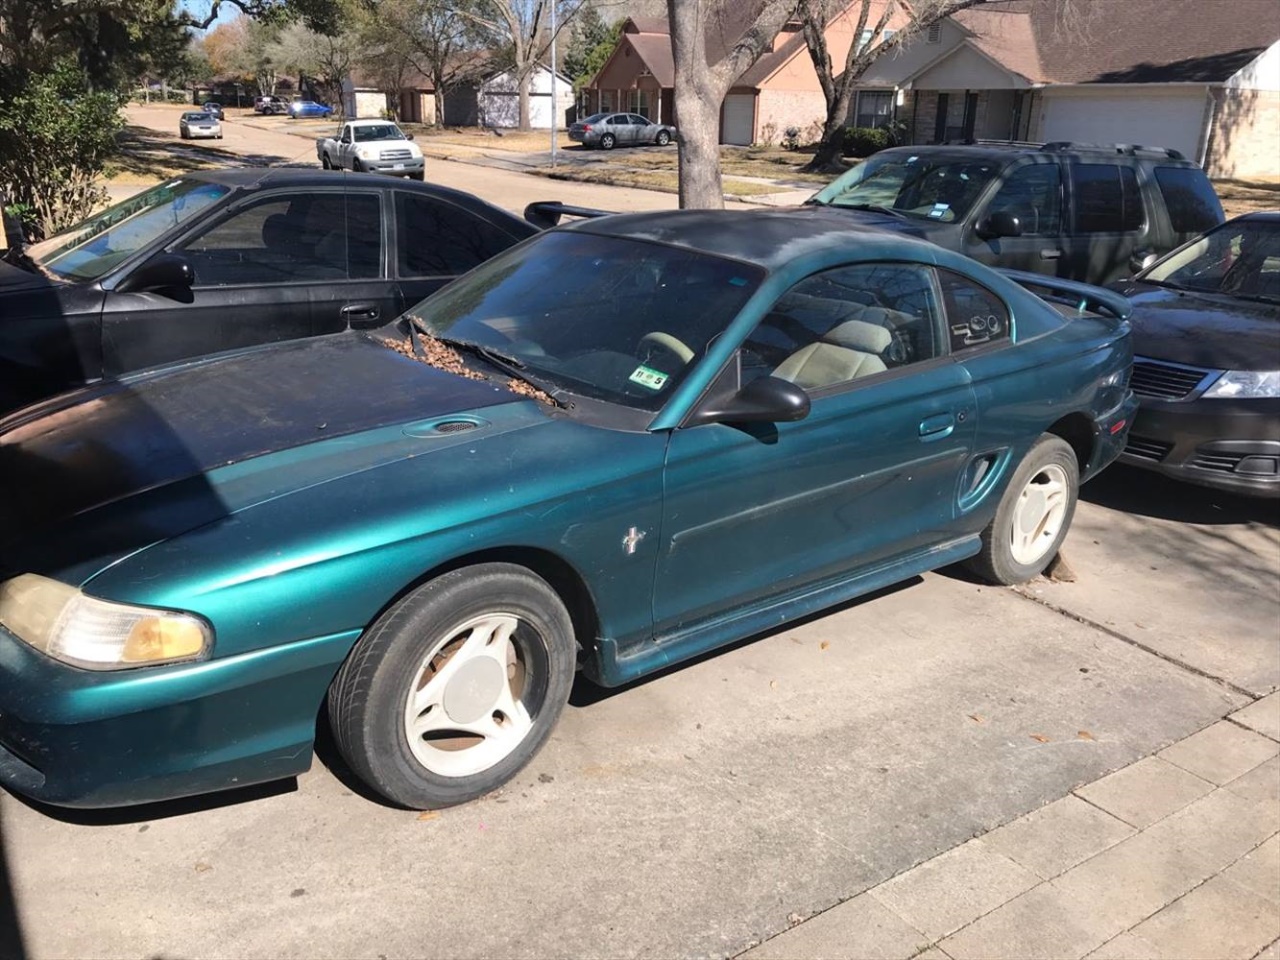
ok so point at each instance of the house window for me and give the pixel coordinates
(638, 102)
(606, 101)
(866, 36)
(874, 108)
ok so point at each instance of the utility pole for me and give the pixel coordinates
(555, 107)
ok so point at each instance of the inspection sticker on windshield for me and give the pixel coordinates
(647, 377)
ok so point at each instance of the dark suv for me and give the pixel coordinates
(1076, 211)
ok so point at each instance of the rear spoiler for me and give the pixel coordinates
(545, 214)
(1083, 295)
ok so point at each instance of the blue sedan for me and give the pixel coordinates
(308, 108)
(614, 447)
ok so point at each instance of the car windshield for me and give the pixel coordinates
(94, 246)
(939, 188)
(611, 318)
(196, 116)
(1241, 259)
(380, 131)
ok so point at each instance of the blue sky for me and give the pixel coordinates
(200, 8)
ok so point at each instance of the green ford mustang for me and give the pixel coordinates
(614, 447)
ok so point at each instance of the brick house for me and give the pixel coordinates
(1199, 76)
(780, 90)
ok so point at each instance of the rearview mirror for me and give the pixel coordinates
(1001, 223)
(168, 271)
(763, 400)
(1139, 261)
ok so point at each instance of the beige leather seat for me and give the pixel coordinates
(846, 352)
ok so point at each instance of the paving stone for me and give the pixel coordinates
(1220, 920)
(1259, 871)
(1146, 791)
(858, 929)
(1127, 883)
(1262, 715)
(1127, 946)
(1042, 923)
(1261, 784)
(933, 953)
(1056, 837)
(1269, 953)
(1219, 828)
(943, 894)
(1221, 752)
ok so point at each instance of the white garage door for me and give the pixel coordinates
(739, 119)
(1151, 121)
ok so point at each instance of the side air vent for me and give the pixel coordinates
(455, 426)
(438, 429)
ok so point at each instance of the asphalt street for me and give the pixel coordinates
(693, 814)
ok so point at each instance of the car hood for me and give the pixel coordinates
(1202, 329)
(907, 226)
(15, 279)
(93, 475)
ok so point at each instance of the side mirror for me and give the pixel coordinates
(763, 400)
(168, 271)
(1140, 261)
(408, 136)
(1001, 223)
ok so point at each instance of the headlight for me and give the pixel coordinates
(364, 153)
(64, 623)
(1246, 385)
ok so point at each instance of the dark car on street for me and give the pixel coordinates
(1076, 211)
(613, 448)
(609, 130)
(218, 260)
(1206, 332)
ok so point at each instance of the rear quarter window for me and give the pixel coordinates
(1193, 206)
(976, 317)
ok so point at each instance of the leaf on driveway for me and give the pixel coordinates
(977, 718)
(429, 815)
(1039, 738)
(824, 644)
(202, 867)
(1085, 735)
(773, 684)
(794, 918)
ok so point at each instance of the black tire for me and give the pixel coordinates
(369, 698)
(607, 141)
(324, 163)
(997, 563)
(357, 166)
(420, 176)
(663, 138)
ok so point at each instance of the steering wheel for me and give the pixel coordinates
(673, 345)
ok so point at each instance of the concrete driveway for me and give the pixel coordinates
(693, 814)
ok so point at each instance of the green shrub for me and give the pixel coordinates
(864, 141)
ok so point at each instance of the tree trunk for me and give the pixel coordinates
(826, 158)
(698, 150)
(438, 95)
(522, 88)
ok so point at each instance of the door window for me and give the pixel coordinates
(292, 239)
(438, 239)
(976, 317)
(845, 324)
(1107, 198)
(1033, 194)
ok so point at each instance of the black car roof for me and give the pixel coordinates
(1008, 150)
(261, 178)
(765, 237)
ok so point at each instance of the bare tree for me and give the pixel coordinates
(864, 50)
(433, 35)
(713, 44)
(524, 28)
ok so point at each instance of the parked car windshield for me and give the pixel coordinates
(602, 317)
(1241, 258)
(381, 131)
(939, 188)
(91, 248)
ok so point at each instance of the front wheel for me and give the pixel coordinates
(456, 687)
(663, 138)
(607, 141)
(357, 166)
(1034, 515)
(324, 162)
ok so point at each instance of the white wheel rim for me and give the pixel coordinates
(1038, 514)
(463, 712)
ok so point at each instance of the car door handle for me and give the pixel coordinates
(937, 427)
(1050, 254)
(360, 311)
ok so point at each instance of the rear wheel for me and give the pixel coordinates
(456, 687)
(663, 138)
(1034, 515)
(607, 141)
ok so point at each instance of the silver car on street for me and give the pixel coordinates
(609, 130)
(197, 123)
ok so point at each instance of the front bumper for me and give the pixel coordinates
(195, 134)
(396, 168)
(85, 738)
(1227, 444)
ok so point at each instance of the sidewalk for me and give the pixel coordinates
(1175, 856)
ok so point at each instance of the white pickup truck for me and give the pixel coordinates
(373, 146)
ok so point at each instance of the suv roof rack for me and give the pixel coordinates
(1124, 149)
(980, 142)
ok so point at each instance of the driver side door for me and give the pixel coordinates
(757, 514)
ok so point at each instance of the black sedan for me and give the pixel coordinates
(1206, 330)
(226, 259)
